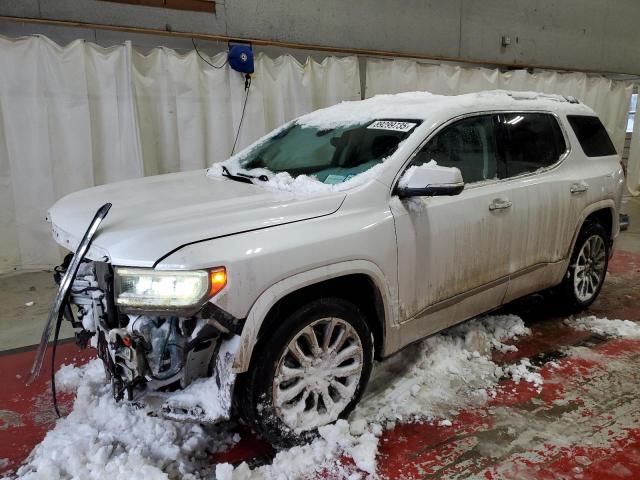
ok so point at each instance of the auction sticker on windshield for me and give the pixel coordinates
(392, 125)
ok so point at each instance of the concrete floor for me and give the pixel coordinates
(26, 299)
(583, 424)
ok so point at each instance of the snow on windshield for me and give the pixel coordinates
(306, 159)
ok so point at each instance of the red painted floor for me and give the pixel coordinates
(26, 412)
(584, 423)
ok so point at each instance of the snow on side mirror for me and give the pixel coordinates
(430, 179)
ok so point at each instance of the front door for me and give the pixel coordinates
(453, 246)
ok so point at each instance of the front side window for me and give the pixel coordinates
(330, 155)
(529, 141)
(468, 145)
(592, 135)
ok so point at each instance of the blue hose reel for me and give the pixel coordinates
(241, 58)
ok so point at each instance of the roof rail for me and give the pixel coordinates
(547, 96)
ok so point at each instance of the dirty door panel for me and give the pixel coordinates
(452, 244)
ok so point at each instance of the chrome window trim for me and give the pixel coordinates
(487, 182)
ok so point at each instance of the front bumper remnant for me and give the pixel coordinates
(206, 400)
(55, 315)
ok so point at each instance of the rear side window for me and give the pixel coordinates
(592, 135)
(529, 141)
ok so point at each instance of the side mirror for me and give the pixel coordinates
(430, 179)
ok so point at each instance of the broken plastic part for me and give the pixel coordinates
(63, 290)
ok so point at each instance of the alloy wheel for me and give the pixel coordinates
(589, 268)
(318, 374)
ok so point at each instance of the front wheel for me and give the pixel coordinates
(310, 372)
(587, 269)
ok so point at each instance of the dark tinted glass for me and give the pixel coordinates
(468, 145)
(530, 141)
(592, 135)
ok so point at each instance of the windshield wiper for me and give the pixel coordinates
(262, 178)
(242, 177)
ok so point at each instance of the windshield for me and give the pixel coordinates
(329, 155)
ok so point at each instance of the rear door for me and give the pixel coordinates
(533, 146)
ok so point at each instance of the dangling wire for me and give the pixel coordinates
(247, 86)
(56, 335)
(204, 59)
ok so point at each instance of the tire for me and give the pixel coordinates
(285, 396)
(592, 246)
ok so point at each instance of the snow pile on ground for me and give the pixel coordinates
(430, 380)
(70, 377)
(442, 373)
(104, 439)
(427, 381)
(606, 327)
(321, 455)
(524, 371)
(197, 396)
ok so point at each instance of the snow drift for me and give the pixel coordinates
(430, 380)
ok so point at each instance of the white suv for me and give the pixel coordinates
(275, 278)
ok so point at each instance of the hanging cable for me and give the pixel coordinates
(247, 87)
(56, 335)
(204, 59)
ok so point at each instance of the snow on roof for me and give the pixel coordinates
(421, 105)
(400, 106)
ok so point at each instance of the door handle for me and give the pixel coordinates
(500, 204)
(579, 187)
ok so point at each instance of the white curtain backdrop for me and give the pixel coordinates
(610, 99)
(82, 115)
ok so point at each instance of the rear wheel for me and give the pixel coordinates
(587, 269)
(310, 372)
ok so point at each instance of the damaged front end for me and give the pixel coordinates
(156, 354)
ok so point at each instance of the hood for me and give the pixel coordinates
(153, 216)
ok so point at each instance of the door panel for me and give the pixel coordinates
(449, 245)
(534, 148)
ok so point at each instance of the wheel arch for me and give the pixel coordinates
(605, 212)
(359, 281)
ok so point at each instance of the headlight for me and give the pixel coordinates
(141, 287)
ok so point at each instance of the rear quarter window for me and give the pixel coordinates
(592, 135)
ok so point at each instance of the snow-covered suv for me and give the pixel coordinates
(270, 282)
